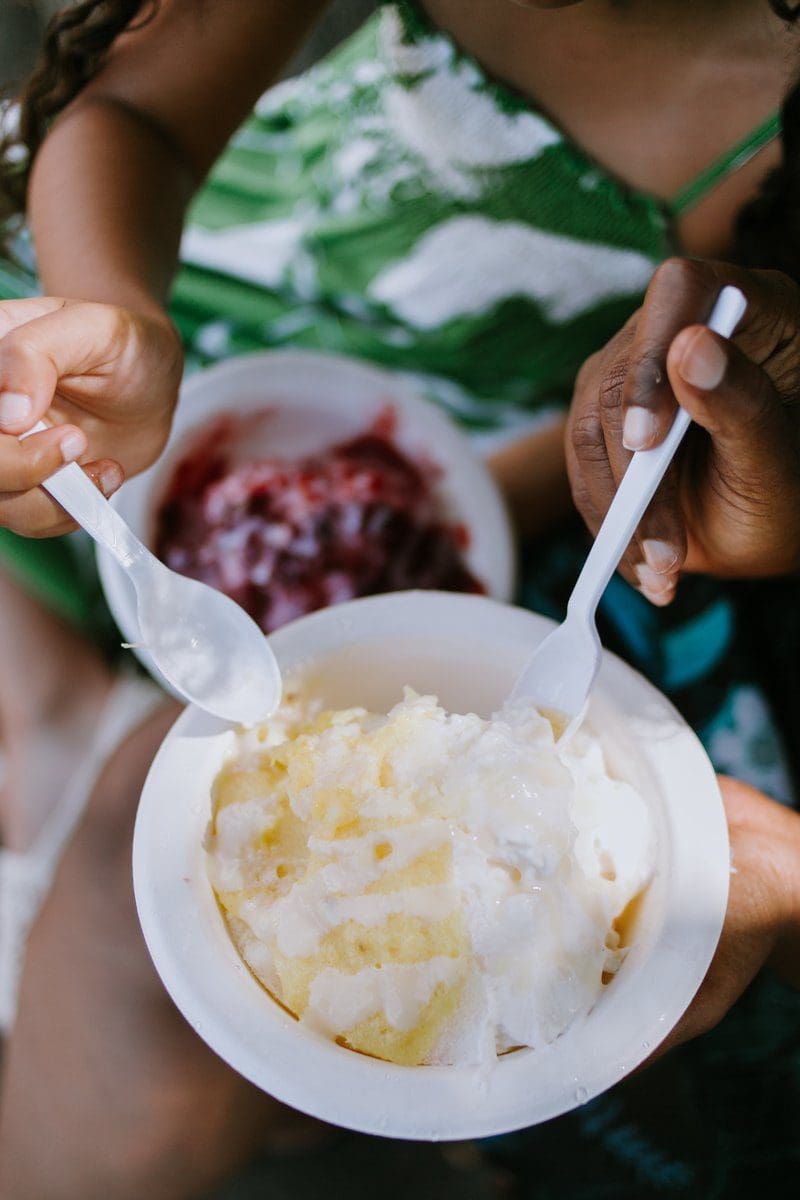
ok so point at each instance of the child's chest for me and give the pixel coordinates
(653, 109)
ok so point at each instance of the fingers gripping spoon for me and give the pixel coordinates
(560, 674)
(202, 642)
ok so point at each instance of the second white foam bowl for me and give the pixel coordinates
(310, 401)
(466, 649)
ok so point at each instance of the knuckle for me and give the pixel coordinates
(587, 438)
(675, 283)
(28, 464)
(612, 386)
(16, 351)
(120, 326)
(675, 276)
(646, 378)
(616, 353)
(123, 331)
(19, 342)
(25, 474)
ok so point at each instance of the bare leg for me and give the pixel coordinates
(45, 667)
(107, 1094)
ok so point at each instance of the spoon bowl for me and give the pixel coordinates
(211, 652)
(205, 645)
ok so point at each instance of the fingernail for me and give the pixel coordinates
(658, 589)
(653, 583)
(110, 479)
(660, 555)
(659, 599)
(14, 408)
(704, 362)
(640, 428)
(72, 446)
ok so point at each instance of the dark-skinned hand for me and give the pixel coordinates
(730, 504)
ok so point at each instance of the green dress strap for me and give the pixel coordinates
(729, 162)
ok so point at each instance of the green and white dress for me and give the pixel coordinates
(396, 204)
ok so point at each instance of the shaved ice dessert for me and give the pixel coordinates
(426, 887)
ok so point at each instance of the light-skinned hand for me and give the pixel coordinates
(105, 378)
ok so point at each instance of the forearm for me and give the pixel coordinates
(106, 205)
(786, 957)
(112, 181)
(532, 475)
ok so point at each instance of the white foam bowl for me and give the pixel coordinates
(315, 400)
(467, 649)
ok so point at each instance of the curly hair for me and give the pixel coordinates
(79, 38)
(75, 45)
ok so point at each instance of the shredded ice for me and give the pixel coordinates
(427, 887)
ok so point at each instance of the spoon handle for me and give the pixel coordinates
(640, 482)
(80, 498)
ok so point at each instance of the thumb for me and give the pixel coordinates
(729, 396)
(74, 340)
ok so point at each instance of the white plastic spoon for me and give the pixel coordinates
(560, 673)
(202, 642)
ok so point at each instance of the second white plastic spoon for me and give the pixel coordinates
(202, 642)
(560, 674)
